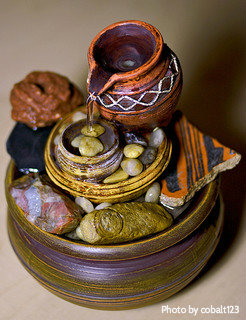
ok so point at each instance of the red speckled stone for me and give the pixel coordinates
(45, 206)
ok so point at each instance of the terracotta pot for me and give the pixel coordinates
(135, 79)
(68, 170)
(122, 276)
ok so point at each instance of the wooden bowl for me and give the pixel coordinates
(99, 192)
(121, 276)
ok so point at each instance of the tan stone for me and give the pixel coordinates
(97, 130)
(117, 176)
(90, 146)
(133, 167)
(133, 150)
(76, 141)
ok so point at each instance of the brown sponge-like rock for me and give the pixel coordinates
(42, 98)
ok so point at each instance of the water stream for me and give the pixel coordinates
(90, 114)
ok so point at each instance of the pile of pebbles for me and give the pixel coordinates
(138, 155)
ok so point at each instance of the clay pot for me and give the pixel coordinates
(77, 176)
(134, 79)
(121, 276)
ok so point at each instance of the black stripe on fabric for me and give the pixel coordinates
(198, 152)
(192, 151)
(187, 158)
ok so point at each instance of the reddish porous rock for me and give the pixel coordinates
(44, 205)
(43, 98)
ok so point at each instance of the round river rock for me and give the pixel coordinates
(133, 150)
(90, 146)
(148, 156)
(85, 204)
(96, 131)
(118, 176)
(156, 138)
(76, 141)
(153, 193)
(133, 167)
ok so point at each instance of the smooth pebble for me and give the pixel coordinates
(133, 150)
(103, 205)
(72, 235)
(133, 167)
(85, 204)
(153, 193)
(148, 156)
(118, 176)
(76, 141)
(79, 115)
(97, 130)
(90, 146)
(156, 138)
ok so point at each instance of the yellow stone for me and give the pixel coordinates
(76, 141)
(96, 131)
(133, 150)
(90, 146)
(123, 222)
(117, 176)
(79, 115)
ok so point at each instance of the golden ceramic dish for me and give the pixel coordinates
(122, 276)
(64, 177)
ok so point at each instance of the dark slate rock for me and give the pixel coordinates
(26, 147)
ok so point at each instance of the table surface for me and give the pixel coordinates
(209, 39)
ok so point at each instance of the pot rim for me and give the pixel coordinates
(148, 65)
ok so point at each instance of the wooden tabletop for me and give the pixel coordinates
(209, 39)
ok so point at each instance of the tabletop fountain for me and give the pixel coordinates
(118, 204)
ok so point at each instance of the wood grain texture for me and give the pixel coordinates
(118, 276)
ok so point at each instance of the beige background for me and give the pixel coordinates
(209, 39)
